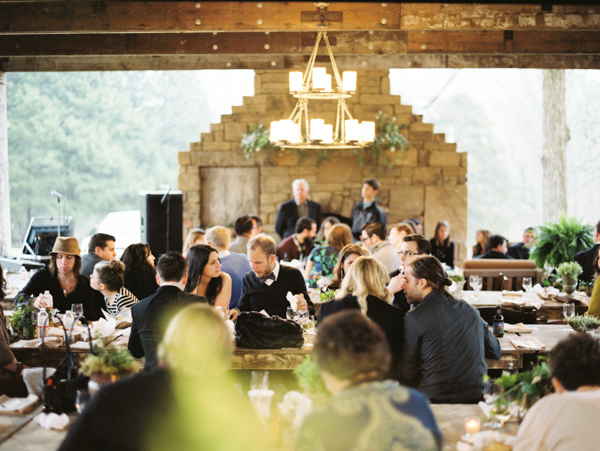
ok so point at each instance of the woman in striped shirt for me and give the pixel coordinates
(107, 278)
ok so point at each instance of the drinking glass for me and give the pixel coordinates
(476, 283)
(82, 397)
(527, 284)
(569, 310)
(77, 310)
(259, 380)
(291, 314)
(491, 391)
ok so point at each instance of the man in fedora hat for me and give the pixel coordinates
(64, 282)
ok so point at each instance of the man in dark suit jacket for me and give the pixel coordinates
(150, 316)
(292, 210)
(266, 286)
(518, 250)
(497, 248)
(586, 258)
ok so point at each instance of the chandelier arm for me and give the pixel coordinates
(333, 65)
(305, 107)
(338, 120)
(294, 112)
(311, 61)
(347, 110)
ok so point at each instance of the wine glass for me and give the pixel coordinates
(501, 411)
(476, 283)
(82, 397)
(259, 380)
(491, 391)
(77, 310)
(527, 285)
(291, 314)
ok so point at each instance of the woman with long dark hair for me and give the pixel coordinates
(441, 245)
(140, 273)
(348, 254)
(205, 277)
(482, 236)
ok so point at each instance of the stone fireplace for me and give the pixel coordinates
(219, 183)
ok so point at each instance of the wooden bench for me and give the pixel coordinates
(500, 274)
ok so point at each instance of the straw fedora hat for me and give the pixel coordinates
(66, 245)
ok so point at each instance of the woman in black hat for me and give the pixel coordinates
(64, 282)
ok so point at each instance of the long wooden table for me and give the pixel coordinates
(21, 432)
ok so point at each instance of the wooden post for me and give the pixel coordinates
(556, 135)
(5, 235)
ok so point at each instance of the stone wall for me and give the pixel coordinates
(427, 181)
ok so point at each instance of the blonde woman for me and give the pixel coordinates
(364, 288)
(196, 236)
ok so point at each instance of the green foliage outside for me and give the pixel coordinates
(559, 242)
(255, 140)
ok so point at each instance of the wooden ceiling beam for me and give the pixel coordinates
(278, 62)
(33, 17)
(282, 43)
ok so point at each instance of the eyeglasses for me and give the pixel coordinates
(409, 254)
(363, 239)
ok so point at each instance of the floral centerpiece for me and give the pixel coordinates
(569, 271)
(109, 364)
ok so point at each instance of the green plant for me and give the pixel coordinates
(23, 321)
(570, 269)
(456, 275)
(255, 140)
(309, 378)
(537, 382)
(582, 323)
(387, 136)
(559, 242)
(327, 295)
(110, 361)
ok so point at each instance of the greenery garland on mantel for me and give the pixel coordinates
(388, 136)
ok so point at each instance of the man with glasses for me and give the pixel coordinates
(412, 247)
(374, 237)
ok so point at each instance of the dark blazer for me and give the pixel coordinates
(88, 261)
(518, 251)
(285, 224)
(494, 254)
(150, 317)
(586, 260)
(388, 317)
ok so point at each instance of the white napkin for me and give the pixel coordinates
(482, 439)
(52, 420)
(293, 300)
(50, 342)
(545, 293)
(527, 343)
(516, 328)
(294, 408)
(581, 297)
(125, 313)
(230, 326)
(512, 293)
(264, 312)
(104, 327)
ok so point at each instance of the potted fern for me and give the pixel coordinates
(559, 242)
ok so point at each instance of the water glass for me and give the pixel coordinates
(569, 310)
(259, 380)
(82, 397)
(476, 284)
(77, 310)
(527, 284)
(291, 314)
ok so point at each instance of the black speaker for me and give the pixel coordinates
(161, 217)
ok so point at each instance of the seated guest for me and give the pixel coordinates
(236, 265)
(266, 286)
(11, 381)
(412, 246)
(481, 237)
(445, 340)
(398, 232)
(324, 230)
(594, 308)
(298, 207)
(243, 232)
(442, 247)
(64, 281)
(366, 210)
(101, 247)
(107, 278)
(150, 315)
(374, 237)
(322, 259)
(567, 420)
(140, 274)
(257, 225)
(366, 410)
(196, 236)
(364, 288)
(586, 258)
(348, 254)
(497, 247)
(298, 245)
(205, 277)
(154, 409)
(520, 250)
